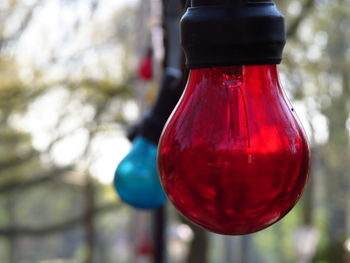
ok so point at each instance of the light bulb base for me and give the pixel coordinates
(168, 96)
(223, 33)
(152, 128)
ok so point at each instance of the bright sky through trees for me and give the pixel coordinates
(54, 46)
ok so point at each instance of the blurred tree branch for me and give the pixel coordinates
(38, 179)
(23, 25)
(55, 228)
(307, 7)
(17, 160)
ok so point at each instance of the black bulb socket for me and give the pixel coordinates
(169, 94)
(232, 32)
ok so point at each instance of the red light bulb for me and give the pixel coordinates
(146, 67)
(233, 157)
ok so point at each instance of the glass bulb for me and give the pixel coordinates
(136, 178)
(233, 157)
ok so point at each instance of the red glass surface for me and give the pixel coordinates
(233, 157)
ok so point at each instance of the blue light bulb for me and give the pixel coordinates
(136, 177)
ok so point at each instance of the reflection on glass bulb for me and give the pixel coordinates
(233, 157)
(136, 178)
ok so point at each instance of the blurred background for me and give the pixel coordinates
(70, 88)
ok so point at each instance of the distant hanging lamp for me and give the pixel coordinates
(145, 70)
(136, 177)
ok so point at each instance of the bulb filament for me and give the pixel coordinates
(234, 82)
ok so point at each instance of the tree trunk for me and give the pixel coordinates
(89, 220)
(199, 245)
(12, 224)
